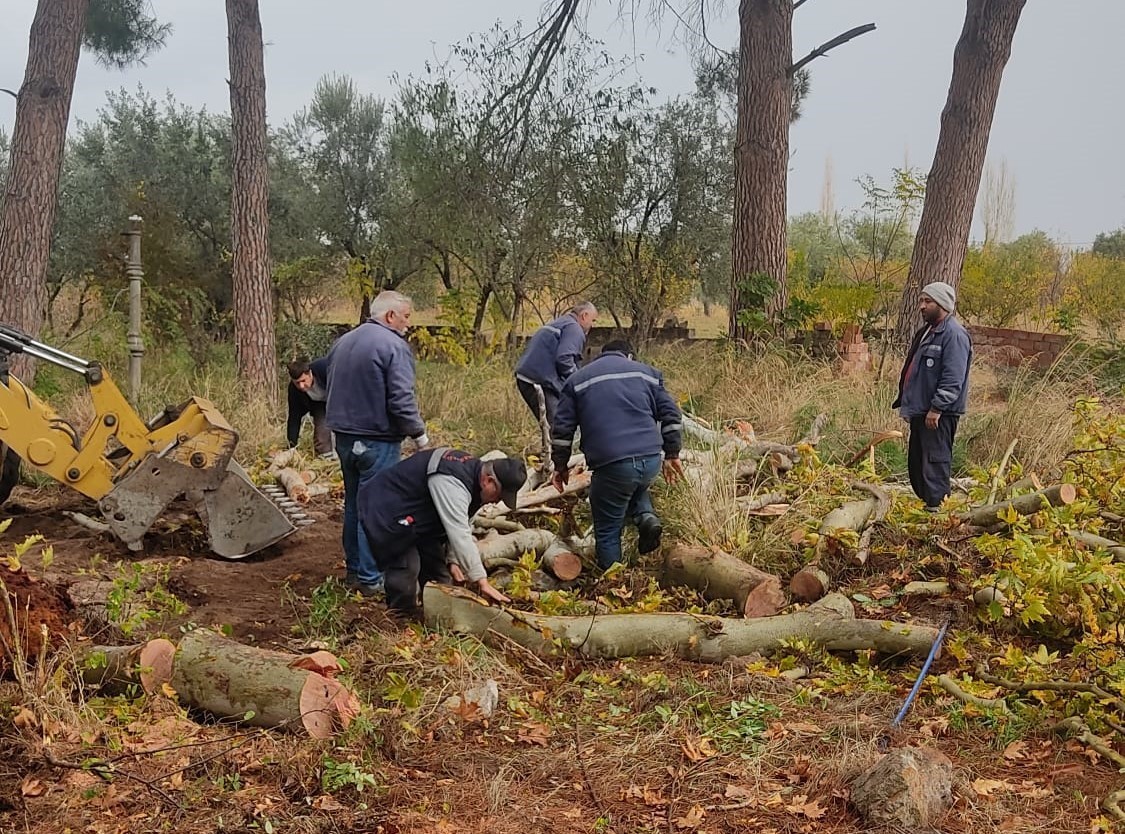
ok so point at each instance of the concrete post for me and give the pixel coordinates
(135, 274)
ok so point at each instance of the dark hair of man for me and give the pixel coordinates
(298, 368)
(618, 346)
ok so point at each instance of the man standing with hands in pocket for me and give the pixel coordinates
(933, 391)
(627, 419)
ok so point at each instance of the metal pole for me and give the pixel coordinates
(135, 275)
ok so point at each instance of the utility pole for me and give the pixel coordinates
(135, 274)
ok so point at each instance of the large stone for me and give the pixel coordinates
(910, 788)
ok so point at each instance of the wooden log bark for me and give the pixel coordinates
(851, 516)
(830, 623)
(561, 558)
(293, 484)
(722, 441)
(1096, 542)
(111, 670)
(809, 584)
(1054, 496)
(718, 575)
(259, 687)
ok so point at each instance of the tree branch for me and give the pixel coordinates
(824, 48)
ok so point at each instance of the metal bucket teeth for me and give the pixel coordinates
(292, 509)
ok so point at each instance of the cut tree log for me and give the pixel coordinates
(501, 524)
(852, 516)
(579, 482)
(809, 584)
(295, 486)
(111, 670)
(718, 575)
(1030, 483)
(1054, 496)
(562, 558)
(1094, 541)
(723, 441)
(829, 623)
(259, 687)
(751, 504)
(934, 588)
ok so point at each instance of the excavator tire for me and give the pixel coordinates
(9, 474)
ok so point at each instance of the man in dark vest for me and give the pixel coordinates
(933, 390)
(627, 419)
(308, 391)
(416, 515)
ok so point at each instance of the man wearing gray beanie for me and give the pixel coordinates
(932, 391)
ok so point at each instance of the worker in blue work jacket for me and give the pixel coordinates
(627, 419)
(416, 517)
(551, 356)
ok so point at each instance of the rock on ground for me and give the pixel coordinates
(909, 787)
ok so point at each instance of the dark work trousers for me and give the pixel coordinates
(931, 457)
(550, 401)
(406, 572)
(322, 435)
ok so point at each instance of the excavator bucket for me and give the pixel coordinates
(242, 520)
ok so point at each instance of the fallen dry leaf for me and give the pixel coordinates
(738, 792)
(800, 806)
(325, 802)
(31, 787)
(985, 787)
(650, 797)
(573, 814)
(25, 719)
(697, 749)
(535, 733)
(1015, 751)
(692, 819)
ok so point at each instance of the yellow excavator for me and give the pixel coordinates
(134, 469)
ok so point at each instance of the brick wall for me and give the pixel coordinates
(1013, 347)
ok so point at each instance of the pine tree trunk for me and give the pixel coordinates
(253, 293)
(951, 188)
(761, 152)
(30, 201)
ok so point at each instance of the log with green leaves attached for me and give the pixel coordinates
(1053, 496)
(830, 623)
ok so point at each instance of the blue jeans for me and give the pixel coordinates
(619, 491)
(361, 457)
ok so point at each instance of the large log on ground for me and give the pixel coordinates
(852, 516)
(111, 670)
(1054, 496)
(259, 687)
(718, 575)
(559, 557)
(830, 623)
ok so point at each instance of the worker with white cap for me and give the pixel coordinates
(932, 392)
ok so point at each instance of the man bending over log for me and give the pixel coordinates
(412, 510)
(627, 417)
(308, 391)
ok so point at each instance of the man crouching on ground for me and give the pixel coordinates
(627, 417)
(413, 510)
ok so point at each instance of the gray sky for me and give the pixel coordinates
(875, 102)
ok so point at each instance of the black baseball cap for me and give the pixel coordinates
(512, 474)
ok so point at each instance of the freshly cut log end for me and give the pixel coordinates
(326, 706)
(809, 584)
(563, 564)
(157, 658)
(718, 575)
(1059, 495)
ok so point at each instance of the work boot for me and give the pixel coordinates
(376, 589)
(351, 580)
(649, 529)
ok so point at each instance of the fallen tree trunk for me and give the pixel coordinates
(829, 623)
(1055, 496)
(1031, 482)
(561, 558)
(259, 687)
(111, 670)
(579, 482)
(294, 485)
(1096, 542)
(851, 517)
(718, 575)
(722, 441)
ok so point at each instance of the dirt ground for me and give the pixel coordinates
(557, 759)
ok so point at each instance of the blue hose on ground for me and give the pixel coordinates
(921, 675)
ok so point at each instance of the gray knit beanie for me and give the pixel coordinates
(943, 294)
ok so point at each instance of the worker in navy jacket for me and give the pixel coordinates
(371, 408)
(416, 518)
(551, 356)
(308, 392)
(627, 419)
(933, 391)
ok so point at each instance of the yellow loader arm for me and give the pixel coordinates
(135, 469)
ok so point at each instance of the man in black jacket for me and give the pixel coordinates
(308, 391)
(627, 418)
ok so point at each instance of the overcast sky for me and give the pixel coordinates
(875, 102)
